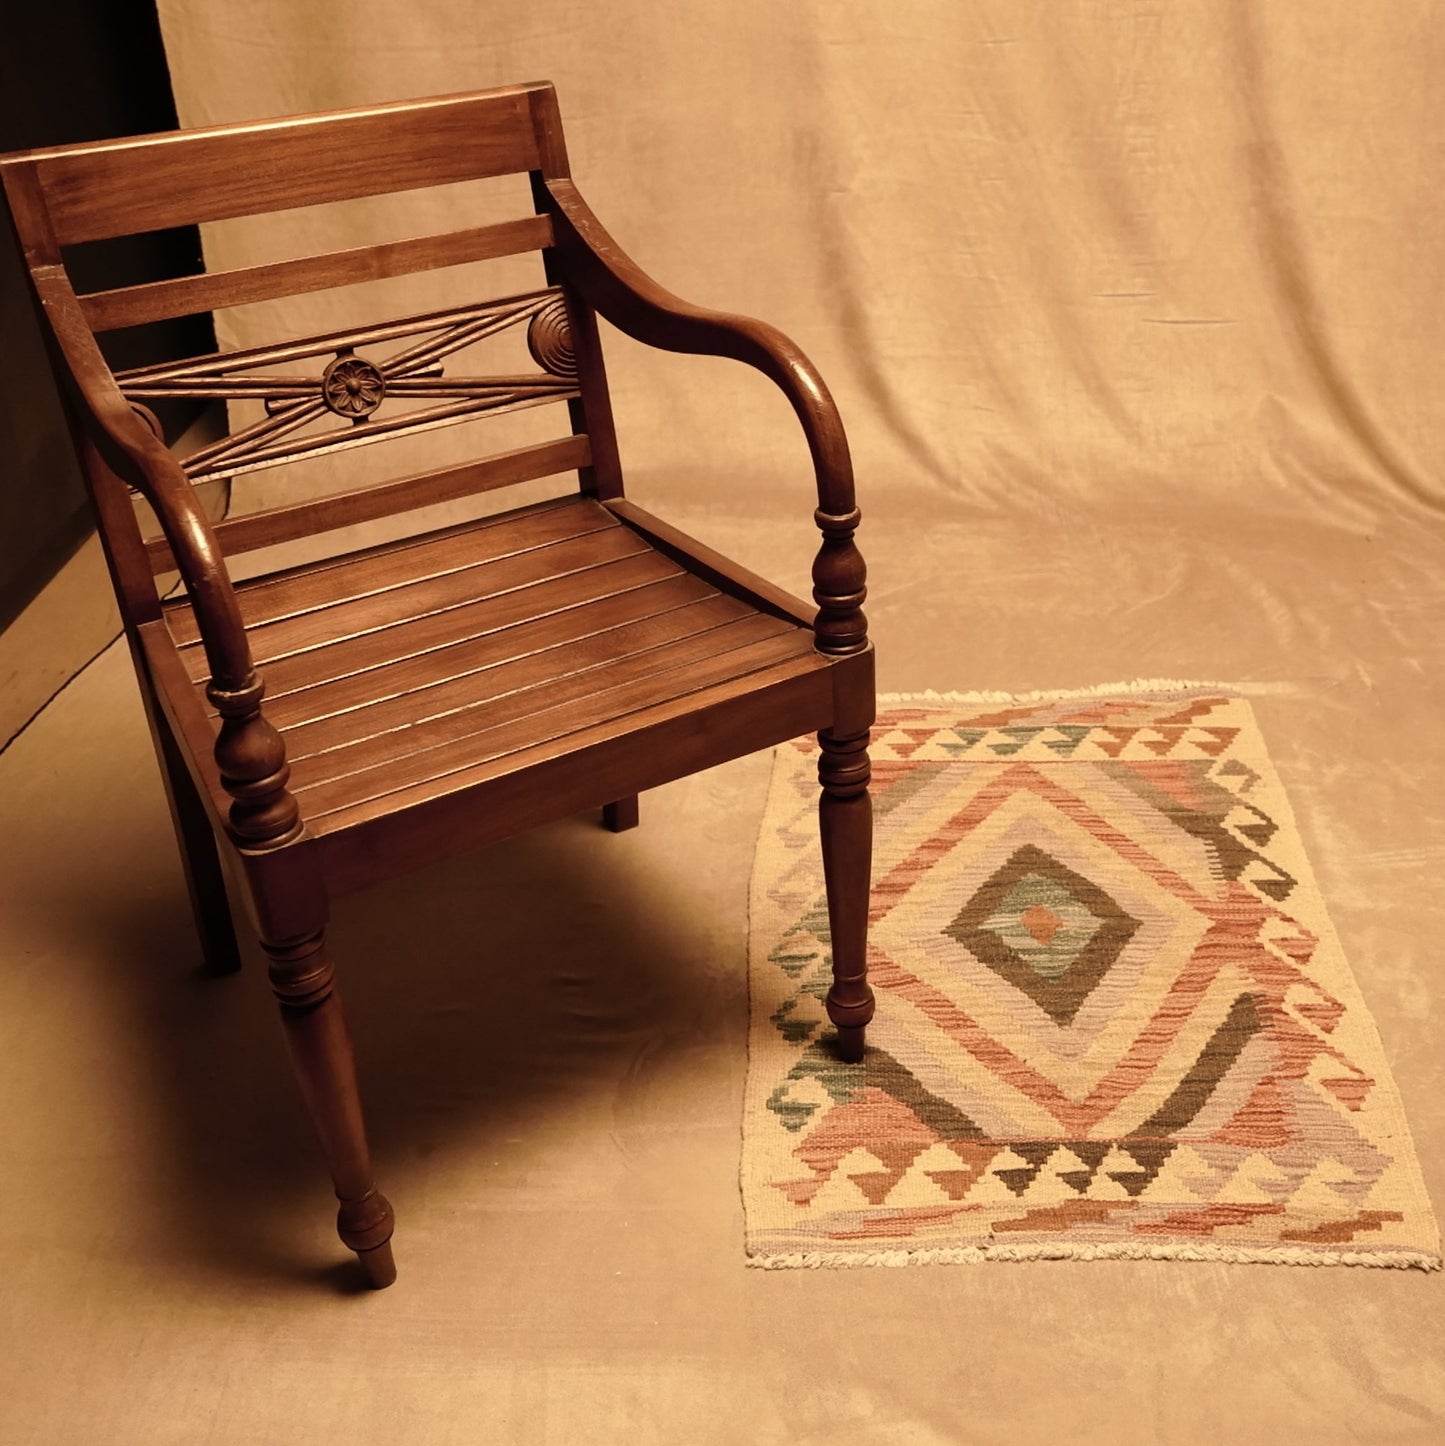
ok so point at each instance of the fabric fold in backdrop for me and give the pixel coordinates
(1113, 1018)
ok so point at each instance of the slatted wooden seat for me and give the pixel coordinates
(329, 724)
(435, 667)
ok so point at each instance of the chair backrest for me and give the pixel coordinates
(383, 378)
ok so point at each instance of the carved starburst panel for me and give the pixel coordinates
(374, 394)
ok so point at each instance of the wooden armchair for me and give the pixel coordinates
(446, 690)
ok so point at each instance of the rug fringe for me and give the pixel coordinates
(1097, 690)
(1117, 1250)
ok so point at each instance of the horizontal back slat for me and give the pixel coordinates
(151, 182)
(159, 300)
(283, 353)
(366, 504)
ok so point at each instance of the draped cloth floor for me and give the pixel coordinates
(1132, 313)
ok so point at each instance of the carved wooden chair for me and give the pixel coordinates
(443, 691)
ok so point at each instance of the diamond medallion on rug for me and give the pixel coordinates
(1113, 1019)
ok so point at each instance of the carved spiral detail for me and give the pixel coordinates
(352, 387)
(549, 339)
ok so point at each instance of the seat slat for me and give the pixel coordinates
(184, 295)
(554, 710)
(416, 637)
(493, 801)
(178, 612)
(497, 686)
(584, 768)
(147, 183)
(340, 581)
(355, 618)
(458, 662)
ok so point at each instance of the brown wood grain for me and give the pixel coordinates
(186, 710)
(348, 588)
(722, 571)
(467, 708)
(146, 183)
(241, 286)
(407, 689)
(845, 823)
(485, 317)
(560, 709)
(407, 638)
(353, 619)
(320, 515)
(533, 785)
(345, 439)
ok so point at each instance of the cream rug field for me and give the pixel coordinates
(1113, 1019)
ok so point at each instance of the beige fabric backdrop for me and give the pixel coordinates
(1048, 253)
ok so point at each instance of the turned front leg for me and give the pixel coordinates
(845, 820)
(304, 981)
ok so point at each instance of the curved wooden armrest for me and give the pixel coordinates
(138, 457)
(619, 290)
(249, 752)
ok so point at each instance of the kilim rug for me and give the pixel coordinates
(1113, 1019)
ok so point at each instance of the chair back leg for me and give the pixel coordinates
(621, 815)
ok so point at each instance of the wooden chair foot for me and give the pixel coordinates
(379, 1265)
(219, 954)
(851, 1043)
(621, 815)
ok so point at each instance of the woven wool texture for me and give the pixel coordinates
(1113, 1019)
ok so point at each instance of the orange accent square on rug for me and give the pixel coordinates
(1113, 1018)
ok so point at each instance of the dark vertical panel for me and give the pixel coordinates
(74, 70)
